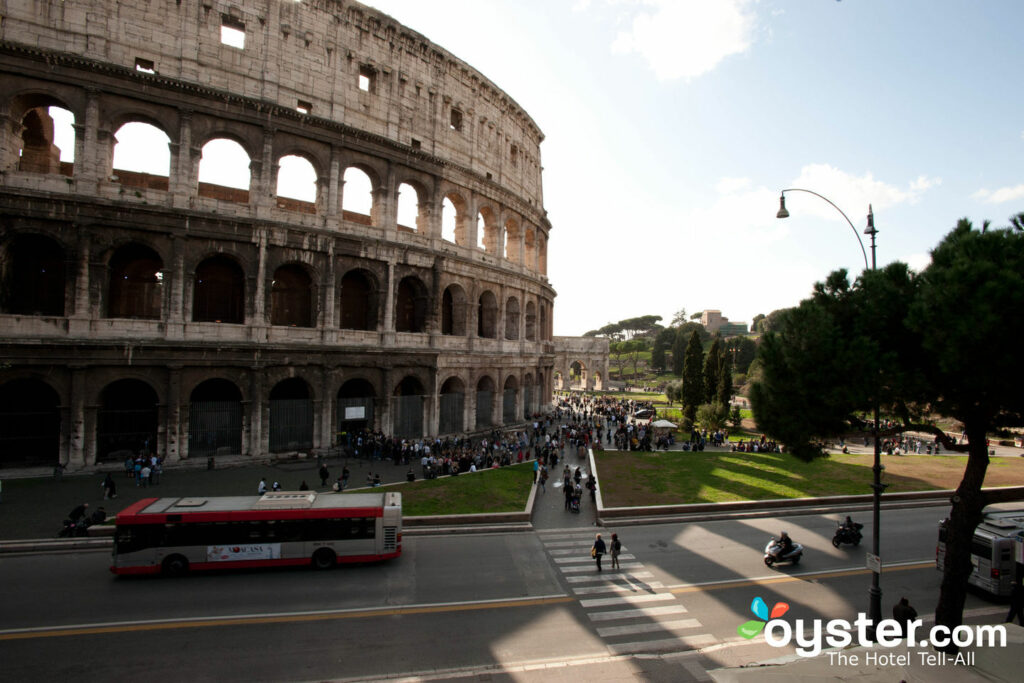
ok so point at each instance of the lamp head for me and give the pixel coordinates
(870, 230)
(782, 207)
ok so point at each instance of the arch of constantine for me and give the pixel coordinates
(193, 311)
(581, 363)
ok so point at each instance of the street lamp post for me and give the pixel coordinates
(875, 592)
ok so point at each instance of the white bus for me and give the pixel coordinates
(995, 550)
(280, 528)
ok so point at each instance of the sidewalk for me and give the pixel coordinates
(35, 507)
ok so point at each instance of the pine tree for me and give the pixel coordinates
(678, 352)
(693, 379)
(724, 389)
(712, 370)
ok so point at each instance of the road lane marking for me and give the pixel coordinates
(787, 578)
(665, 645)
(627, 600)
(281, 618)
(612, 578)
(634, 613)
(650, 627)
(618, 588)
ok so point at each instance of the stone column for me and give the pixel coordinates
(173, 415)
(183, 179)
(388, 329)
(386, 412)
(335, 185)
(76, 454)
(78, 321)
(263, 175)
(176, 314)
(258, 323)
(259, 441)
(91, 164)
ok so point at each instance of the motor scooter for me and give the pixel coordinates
(772, 553)
(847, 534)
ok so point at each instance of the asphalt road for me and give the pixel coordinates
(455, 605)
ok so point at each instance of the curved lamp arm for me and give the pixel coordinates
(783, 213)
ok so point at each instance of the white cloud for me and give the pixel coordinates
(852, 193)
(1003, 194)
(924, 183)
(731, 185)
(918, 261)
(687, 38)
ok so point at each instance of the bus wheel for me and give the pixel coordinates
(175, 565)
(323, 559)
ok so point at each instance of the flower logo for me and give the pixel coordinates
(760, 610)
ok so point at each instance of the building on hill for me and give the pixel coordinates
(715, 322)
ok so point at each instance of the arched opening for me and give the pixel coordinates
(291, 416)
(484, 403)
(487, 231)
(508, 401)
(453, 219)
(224, 171)
(291, 297)
(215, 419)
(32, 276)
(577, 375)
(29, 424)
(487, 316)
(296, 184)
(136, 283)
(531, 321)
(559, 382)
(47, 141)
(409, 219)
(512, 318)
(142, 156)
(358, 302)
(453, 311)
(511, 248)
(408, 401)
(357, 202)
(453, 404)
(411, 305)
(127, 420)
(219, 291)
(355, 407)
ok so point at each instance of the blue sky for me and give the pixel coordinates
(672, 125)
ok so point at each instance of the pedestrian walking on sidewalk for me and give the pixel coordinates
(616, 549)
(325, 474)
(1016, 604)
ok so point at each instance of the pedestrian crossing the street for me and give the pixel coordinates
(630, 611)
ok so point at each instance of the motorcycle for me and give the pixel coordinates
(847, 534)
(773, 553)
(74, 529)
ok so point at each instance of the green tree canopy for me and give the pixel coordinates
(693, 378)
(712, 370)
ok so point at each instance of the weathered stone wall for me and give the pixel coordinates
(591, 353)
(101, 273)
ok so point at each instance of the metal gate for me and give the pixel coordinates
(291, 424)
(125, 429)
(408, 421)
(508, 406)
(351, 417)
(214, 427)
(484, 401)
(29, 437)
(528, 407)
(452, 407)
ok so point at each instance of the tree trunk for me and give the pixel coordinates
(966, 514)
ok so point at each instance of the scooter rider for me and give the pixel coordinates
(785, 544)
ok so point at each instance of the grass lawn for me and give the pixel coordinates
(505, 489)
(631, 479)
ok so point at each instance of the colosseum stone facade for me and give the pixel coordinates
(180, 310)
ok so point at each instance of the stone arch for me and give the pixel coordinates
(454, 311)
(512, 318)
(487, 315)
(135, 283)
(452, 406)
(455, 219)
(297, 185)
(577, 375)
(484, 402)
(126, 422)
(218, 290)
(511, 249)
(531, 321)
(32, 275)
(225, 169)
(488, 231)
(39, 153)
(141, 154)
(358, 300)
(30, 423)
(413, 203)
(411, 301)
(291, 415)
(215, 418)
(292, 296)
(355, 402)
(510, 400)
(361, 189)
(408, 400)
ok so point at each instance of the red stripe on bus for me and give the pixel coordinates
(131, 516)
(240, 564)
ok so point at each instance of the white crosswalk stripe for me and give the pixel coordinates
(617, 588)
(589, 567)
(665, 645)
(649, 627)
(585, 557)
(619, 614)
(608, 578)
(628, 600)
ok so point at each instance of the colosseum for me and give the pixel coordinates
(246, 228)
